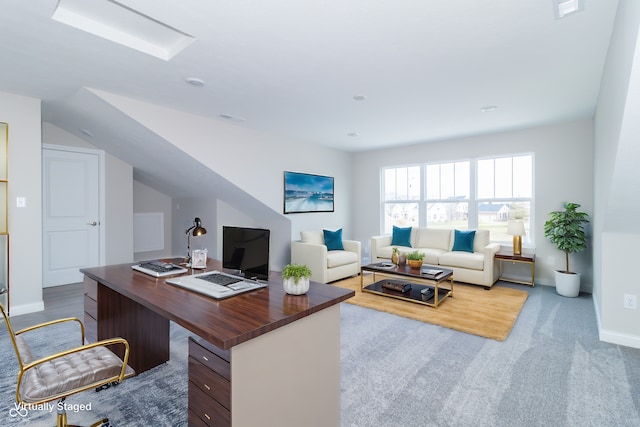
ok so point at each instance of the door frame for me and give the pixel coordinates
(101, 189)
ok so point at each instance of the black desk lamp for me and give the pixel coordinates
(196, 230)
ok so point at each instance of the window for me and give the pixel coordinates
(482, 193)
(447, 195)
(505, 191)
(401, 197)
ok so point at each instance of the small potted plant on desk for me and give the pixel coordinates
(565, 229)
(295, 279)
(414, 259)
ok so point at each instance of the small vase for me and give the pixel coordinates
(293, 288)
(402, 260)
(394, 258)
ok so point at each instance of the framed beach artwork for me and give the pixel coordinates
(305, 192)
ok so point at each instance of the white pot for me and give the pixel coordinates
(293, 288)
(567, 284)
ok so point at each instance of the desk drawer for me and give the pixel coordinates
(195, 421)
(207, 409)
(209, 359)
(91, 307)
(91, 288)
(90, 329)
(210, 382)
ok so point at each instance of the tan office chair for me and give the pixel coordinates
(62, 374)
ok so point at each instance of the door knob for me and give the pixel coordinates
(94, 223)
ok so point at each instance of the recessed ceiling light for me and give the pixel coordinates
(195, 82)
(359, 97)
(123, 25)
(86, 132)
(562, 8)
(353, 134)
(489, 108)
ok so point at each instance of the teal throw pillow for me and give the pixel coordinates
(463, 240)
(401, 236)
(333, 240)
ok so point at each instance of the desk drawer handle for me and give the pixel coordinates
(207, 387)
(205, 358)
(208, 417)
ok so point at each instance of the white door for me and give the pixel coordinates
(70, 214)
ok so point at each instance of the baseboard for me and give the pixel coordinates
(17, 310)
(610, 336)
(620, 339)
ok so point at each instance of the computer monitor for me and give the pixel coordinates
(246, 250)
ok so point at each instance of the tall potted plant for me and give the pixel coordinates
(565, 229)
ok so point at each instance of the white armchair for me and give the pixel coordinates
(326, 266)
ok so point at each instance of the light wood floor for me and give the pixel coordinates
(59, 302)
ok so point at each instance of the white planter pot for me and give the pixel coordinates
(567, 284)
(293, 288)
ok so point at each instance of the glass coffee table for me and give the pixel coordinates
(418, 285)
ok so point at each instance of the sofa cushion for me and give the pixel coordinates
(401, 236)
(463, 240)
(338, 258)
(313, 237)
(333, 240)
(481, 241)
(433, 238)
(385, 251)
(431, 255)
(471, 261)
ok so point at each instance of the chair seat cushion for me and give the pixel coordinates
(339, 258)
(70, 372)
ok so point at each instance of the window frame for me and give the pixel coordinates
(473, 201)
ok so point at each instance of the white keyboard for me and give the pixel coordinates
(206, 288)
(194, 283)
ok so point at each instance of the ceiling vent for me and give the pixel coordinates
(562, 8)
(123, 25)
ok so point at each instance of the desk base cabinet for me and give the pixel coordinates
(260, 358)
(209, 385)
(90, 310)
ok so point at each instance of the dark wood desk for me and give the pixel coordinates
(264, 329)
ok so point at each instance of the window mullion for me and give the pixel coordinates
(473, 195)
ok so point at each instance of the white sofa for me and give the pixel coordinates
(326, 266)
(478, 268)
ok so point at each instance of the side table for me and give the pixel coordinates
(527, 258)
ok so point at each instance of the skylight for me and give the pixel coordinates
(123, 25)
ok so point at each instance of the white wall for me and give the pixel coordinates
(563, 157)
(251, 160)
(148, 200)
(616, 189)
(280, 243)
(22, 114)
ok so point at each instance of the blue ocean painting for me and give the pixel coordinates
(307, 193)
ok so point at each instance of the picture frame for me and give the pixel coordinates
(304, 193)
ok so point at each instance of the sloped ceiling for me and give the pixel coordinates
(292, 68)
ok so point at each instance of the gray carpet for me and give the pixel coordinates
(551, 371)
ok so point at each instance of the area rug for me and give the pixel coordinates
(472, 309)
